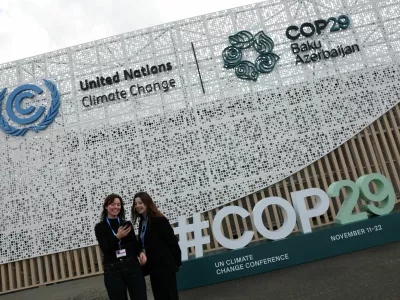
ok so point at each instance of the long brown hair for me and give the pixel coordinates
(110, 199)
(152, 210)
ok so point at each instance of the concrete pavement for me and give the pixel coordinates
(371, 274)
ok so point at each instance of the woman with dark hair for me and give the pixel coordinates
(121, 252)
(161, 246)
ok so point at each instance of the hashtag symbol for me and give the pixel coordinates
(198, 240)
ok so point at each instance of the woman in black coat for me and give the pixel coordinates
(160, 244)
(122, 254)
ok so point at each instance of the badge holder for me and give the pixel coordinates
(121, 253)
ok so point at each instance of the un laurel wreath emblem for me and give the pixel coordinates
(14, 103)
(263, 44)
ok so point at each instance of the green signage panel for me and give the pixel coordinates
(265, 256)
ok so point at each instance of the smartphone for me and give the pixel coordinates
(126, 223)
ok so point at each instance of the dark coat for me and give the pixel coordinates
(108, 242)
(161, 246)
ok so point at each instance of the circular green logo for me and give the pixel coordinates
(244, 69)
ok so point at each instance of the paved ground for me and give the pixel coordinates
(371, 274)
(91, 288)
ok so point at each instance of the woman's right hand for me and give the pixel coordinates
(123, 231)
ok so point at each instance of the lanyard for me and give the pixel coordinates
(143, 232)
(108, 221)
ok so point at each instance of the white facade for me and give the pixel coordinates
(192, 151)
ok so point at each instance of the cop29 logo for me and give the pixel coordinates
(264, 63)
(14, 105)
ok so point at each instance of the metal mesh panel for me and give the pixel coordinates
(192, 151)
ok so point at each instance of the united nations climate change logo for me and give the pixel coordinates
(14, 104)
(263, 44)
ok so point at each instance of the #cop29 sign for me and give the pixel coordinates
(375, 225)
(384, 196)
(14, 107)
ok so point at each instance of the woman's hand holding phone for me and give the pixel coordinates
(123, 231)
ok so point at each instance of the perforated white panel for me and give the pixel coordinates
(191, 151)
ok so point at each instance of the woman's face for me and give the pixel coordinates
(140, 207)
(114, 208)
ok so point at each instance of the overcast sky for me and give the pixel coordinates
(29, 27)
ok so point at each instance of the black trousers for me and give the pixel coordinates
(164, 285)
(122, 276)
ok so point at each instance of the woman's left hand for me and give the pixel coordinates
(142, 259)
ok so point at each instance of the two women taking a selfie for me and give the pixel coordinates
(127, 260)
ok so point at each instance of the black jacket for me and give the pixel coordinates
(108, 242)
(161, 246)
